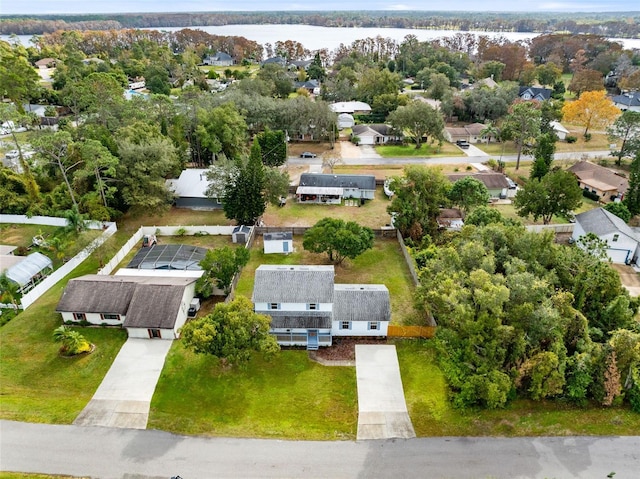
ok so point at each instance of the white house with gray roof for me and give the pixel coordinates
(190, 190)
(331, 189)
(147, 307)
(622, 241)
(308, 309)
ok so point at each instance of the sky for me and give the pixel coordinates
(10, 7)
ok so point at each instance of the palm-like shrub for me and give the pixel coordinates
(72, 341)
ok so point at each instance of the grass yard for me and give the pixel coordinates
(38, 385)
(172, 217)
(432, 414)
(372, 214)
(508, 211)
(426, 150)
(288, 397)
(382, 264)
(69, 246)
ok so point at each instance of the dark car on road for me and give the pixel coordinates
(307, 154)
(464, 144)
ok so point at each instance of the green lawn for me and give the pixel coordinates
(432, 415)
(426, 150)
(382, 264)
(372, 214)
(38, 385)
(288, 397)
(70, 243)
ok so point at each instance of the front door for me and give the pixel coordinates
(154, 333)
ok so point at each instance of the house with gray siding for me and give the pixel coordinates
(496, 183)
(322, 188)
(308, 309)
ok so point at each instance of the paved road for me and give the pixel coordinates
(109, 453)
(450, 160)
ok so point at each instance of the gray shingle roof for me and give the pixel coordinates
(293, 284)
(361, 302)
(606, 179)
(147, 302)
(154, 306)
(363, 182)
(491, 180)
(600, 222)
(300, 320)
(628, 99)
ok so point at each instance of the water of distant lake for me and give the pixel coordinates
(315, 38)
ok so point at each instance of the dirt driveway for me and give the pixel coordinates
(630, 279)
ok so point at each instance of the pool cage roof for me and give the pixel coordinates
(169, 256)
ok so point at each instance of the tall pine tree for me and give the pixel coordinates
(244, 199)
(632, 197)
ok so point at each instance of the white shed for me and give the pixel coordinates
(278, 242)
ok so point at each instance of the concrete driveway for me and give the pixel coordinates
(473, 151)
(382, 410)
(629, 278)
(124, 396)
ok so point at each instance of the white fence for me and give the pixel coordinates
(564, 228)
(186, 230)
(162, 231)
(29, 298)
(46, 220)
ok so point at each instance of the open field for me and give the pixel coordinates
(383, 264)
(432, 414)
(287, 397)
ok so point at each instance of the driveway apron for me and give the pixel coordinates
(382, 410)
(124, 396)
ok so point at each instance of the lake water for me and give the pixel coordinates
(315, 38)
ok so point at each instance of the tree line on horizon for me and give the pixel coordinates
(616, 24)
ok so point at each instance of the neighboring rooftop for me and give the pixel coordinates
(490, 179)
(320, 180)
(600, 222)
(278, 236)
(600, 177)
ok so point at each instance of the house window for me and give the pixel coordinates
(274, 305)
(374, 325)
(312, 306)
(115, 317)
(615, 238)
(79, 316)
(345, 325)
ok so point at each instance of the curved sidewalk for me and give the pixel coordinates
(382, 410)
(124, 396)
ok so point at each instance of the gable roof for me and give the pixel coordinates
(535, 93)
(557, 126)
(151, 301)
(320, 180)
(628, 99)
(243, 229)
(372, 129)
(220, 56)
(155, 305)
(293, 284)
(490, 179)
(192, 183)
(599, 177)
(361, 302)
(601, 222)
